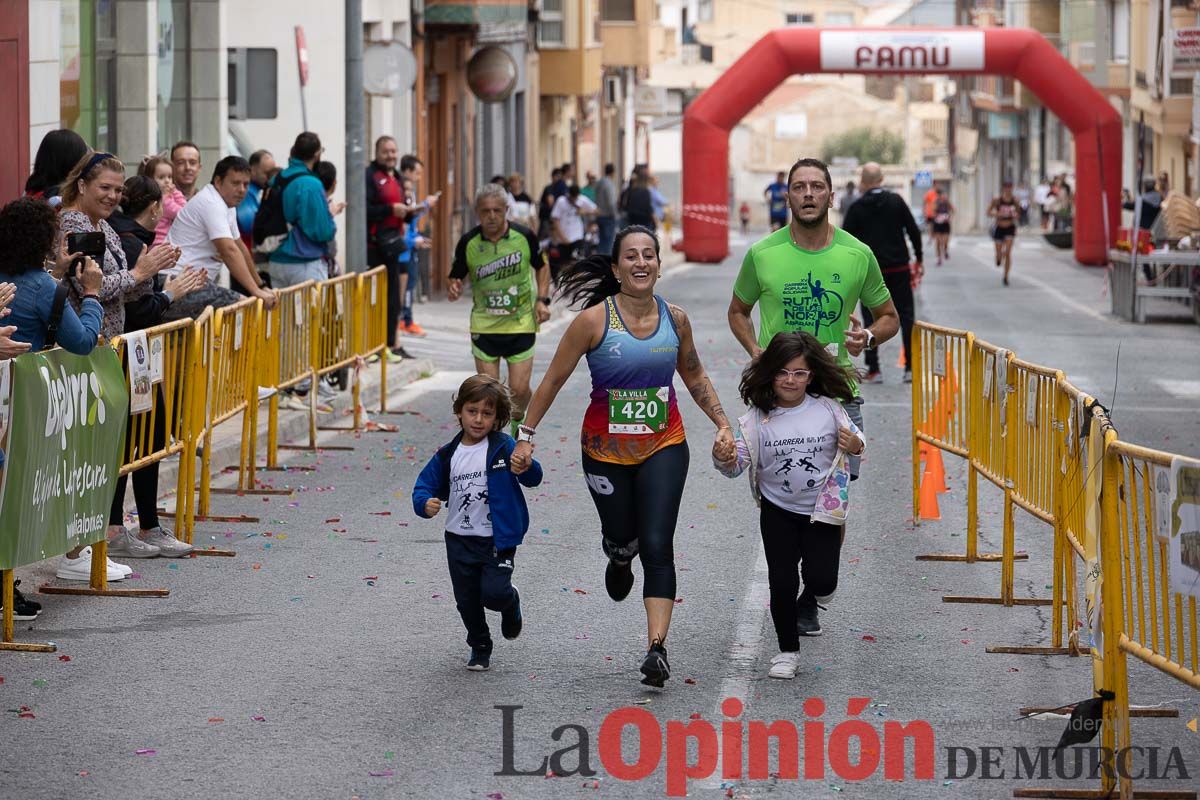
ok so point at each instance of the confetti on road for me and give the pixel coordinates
(868, 638)
(145, 752)
(215, 720)
(383, 773)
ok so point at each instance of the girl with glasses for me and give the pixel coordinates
(795, 441)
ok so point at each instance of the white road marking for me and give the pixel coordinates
(1184, 389)
(744, 652)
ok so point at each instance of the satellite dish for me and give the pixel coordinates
(388, 69)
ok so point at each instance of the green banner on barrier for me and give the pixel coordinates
(66, 431)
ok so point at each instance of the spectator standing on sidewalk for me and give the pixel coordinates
(588, 190)
(141, 205)
(880, 219)
(606, 210)
(28, 228)
(411, 171)
(134, 222)
(262, 164)
(521, 210)
(207, 234)
(569, 220)
(311, 227)
(57, 155)
(90, 195)
(387, 210)
(546, 203)
(185, 162)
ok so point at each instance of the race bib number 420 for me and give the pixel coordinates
(638, 411)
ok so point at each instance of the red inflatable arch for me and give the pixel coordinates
(1022, 54)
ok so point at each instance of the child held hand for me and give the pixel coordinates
(849, 442)
(433, 506)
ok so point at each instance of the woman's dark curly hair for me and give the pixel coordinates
(829, 379)
(28, 227)
(590, 280)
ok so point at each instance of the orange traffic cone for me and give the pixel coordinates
(935, 470)
(929, 503)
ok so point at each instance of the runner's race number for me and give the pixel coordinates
(638, 411)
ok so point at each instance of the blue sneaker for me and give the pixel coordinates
(480, 660)
(510, 619)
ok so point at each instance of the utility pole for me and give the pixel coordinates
(356, 192)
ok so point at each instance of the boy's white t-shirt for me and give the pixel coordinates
(796, 451)
(470, 514)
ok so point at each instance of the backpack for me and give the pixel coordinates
(271, 227)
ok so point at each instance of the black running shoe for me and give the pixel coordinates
(510, 619)
(19, 598)
(618, 579)
(807, 623)
(400, 351)
(655, 667)
(480, 660)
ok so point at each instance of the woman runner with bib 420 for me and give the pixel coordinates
(635, 455)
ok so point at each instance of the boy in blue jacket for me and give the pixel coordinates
(486, 508)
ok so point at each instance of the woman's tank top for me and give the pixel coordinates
(634, 412)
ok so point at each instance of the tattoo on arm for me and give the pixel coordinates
(692, 361)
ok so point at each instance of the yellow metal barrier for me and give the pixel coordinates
(375, 338)
(940, 413)
(169, 351)
(233, 388)
(1141, 616)
(335, 338)
(286, 353)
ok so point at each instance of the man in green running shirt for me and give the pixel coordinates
(510, 286)
(809, 276)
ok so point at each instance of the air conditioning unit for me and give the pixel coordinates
(612, 90)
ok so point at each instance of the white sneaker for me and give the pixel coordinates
(265, 393)
(293, 402)
(124, 569)
(80, 568)
(165, 542)
(324, 390)
(784, 666)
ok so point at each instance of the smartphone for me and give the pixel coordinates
(86, 244)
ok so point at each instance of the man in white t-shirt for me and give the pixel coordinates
(569, 218)
(206, 232)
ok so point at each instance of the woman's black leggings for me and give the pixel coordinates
(791, 539)
(145, 480)
(638, 506)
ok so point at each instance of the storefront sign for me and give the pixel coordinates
(1185, 49)
(895, 51)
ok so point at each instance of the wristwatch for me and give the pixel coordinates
(870, 340)
(525, 433)
(545, 300)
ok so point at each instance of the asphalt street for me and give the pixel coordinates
(326, 660)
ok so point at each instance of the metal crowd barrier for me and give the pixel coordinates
(212, 368)
(1055, 454)
(286, 354)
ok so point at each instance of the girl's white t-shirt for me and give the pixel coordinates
(796, 450)
(469, 512)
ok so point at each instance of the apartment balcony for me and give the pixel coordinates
(631, 36)
(475, 12)
(571, 71)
